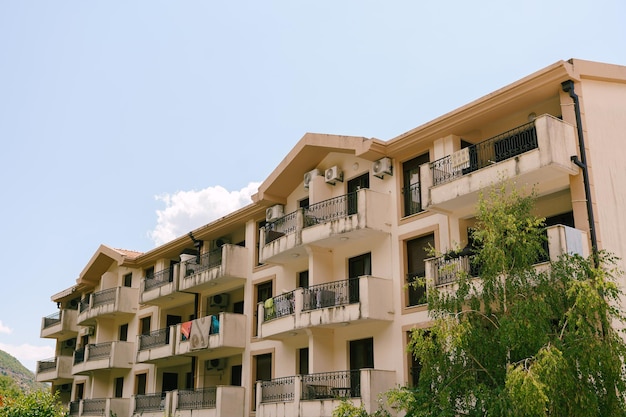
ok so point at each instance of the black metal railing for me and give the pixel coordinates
(99, 351)
(150, 402)
(331, 294)
(412, 199)
(197, 399)
(331, 209)
(416, 283)
(46, 365)
(498, 148)
(74, 408)
(447, 269)
(84, 304)
(278, 390)
(280, 306)
(285, 225)
(94, 407)
(341, 384)
(52, 319)
(159, 279)
(104, 297)
(153, 339)
(206, 261)
(79, 355)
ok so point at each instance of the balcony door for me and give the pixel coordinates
(417, 253)
(170, 382)
(411, 179)
(354, 185)
(357, 266)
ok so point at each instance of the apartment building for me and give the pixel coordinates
(300, 299)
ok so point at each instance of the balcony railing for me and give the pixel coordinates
(331, 294)
(154, 339)
(412, 199)
(46, 365)
(197, 399)
(74, 408)
(52, 319)
(79, 355)
(99, 351)
(498, 148)
(331, 209)
(159, 279)
(103, 297)
(94, 407)
(206, 261)
(447, 269)
(342, 384)
(280, 306)
(150, 402)
(278, 390)
(285, 225)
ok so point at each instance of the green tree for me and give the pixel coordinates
(517, 341)
(32, 404)
(8, 387)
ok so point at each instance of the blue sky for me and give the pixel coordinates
(129, 123)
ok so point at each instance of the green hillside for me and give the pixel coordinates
(12, 368)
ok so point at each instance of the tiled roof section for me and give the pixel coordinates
(132, 254)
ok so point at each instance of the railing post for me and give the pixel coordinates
(259, 395)
(260, 318)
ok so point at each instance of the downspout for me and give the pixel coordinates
(568, 87)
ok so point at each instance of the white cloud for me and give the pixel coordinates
(28, 355)
(5, 329)
(188, 210)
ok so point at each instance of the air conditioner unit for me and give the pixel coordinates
(69, 343)
(333, 174)
(382, 167)
(216, 364)
(274, 213)
(219, 300)
(310, 175)
(219, 242)
(65, 388)
(73, 304)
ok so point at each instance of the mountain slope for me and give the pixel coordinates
(11, 367)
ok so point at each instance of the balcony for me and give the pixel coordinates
(100, 407)
(61, 324)
(537, 154)
(103, 356)
(110, 303)
(330, 223)
(333, 304)
(212, 336)
(157, 345)
(57, 370)
(220, 270)
(442, 272)
(202, 402)
(320, 393)
(162, 289)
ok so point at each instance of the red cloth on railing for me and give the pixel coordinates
(185, 330)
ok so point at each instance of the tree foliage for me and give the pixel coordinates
(36, 403)
(521, 340)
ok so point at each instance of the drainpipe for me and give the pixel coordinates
(568, 87)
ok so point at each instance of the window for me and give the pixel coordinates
(411, 181)
(140, 384)
(145, 325)
(123, 337)
(416, 253)
(119, 387)
(304, 203)
(128, 280)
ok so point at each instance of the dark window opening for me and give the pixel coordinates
(411, 184)
(417, 253)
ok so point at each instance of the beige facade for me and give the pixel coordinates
(300, 299)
